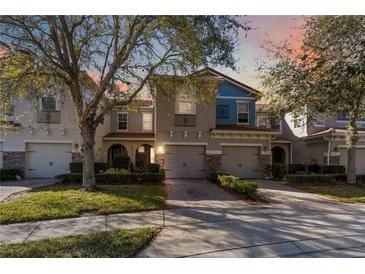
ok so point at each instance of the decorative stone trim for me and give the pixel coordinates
(265, 165)
(213, 162)
(14, 159)
(76, 157)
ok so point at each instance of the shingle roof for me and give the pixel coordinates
(243, 128)
(130, 135)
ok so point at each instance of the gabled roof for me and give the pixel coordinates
(229, 79)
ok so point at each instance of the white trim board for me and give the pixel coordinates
(241, 145)
(6, 149)
(235, 97)
(357, 146)
(184, 144)
(48, 142)
(127, 139)
(213, 152)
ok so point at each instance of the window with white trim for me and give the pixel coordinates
(242, 112)
(8, 114)
(319, 120)
(185, 104)
(147, 121)
(48, 103)
(263, 121)
(122, 121)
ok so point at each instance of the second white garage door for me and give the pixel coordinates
(47, 160)
(184, 161)
(242, 161)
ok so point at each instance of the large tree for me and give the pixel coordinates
(106, 61)
(326, 75)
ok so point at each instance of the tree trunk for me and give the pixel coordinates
(351, 140)
(88, 157)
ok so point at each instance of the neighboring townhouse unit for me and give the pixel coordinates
(323, 141)
(187, 138)
(193, 139)
(43, 142)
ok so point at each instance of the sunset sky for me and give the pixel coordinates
(274, 28)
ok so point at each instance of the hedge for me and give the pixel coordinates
(110, 179)
(237, 185)
(333, 169)
(7, 174)
(213, 176)
(278, 171)
(315, 178)
(76, 167)
(292, 169)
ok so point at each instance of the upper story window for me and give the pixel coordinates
(222, 111)
(48, 103)
(7, 115)
(147, 121)
(185, 104)
(242, 112)
(263, 121)
(122, 121)
(319, 120)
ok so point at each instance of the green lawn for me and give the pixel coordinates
(340, 192)
(70, 201)
(115, 244)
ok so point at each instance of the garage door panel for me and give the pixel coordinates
(184, 161)
(47, 160)
(241, 161)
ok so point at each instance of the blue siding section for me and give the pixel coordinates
(227, 89)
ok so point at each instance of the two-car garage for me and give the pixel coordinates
(46, 160)
(188, 161)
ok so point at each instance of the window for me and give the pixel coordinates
(7, 115)
(123, 121)
(184, 104)
(222, 111)
(263, 121)
(147, 121)
(48, 103)
(242, 112)
(319, 120)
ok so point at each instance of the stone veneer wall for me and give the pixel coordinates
(212, 163)
(76, 157)
(265, 165)
(14, 159)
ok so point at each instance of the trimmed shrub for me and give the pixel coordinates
(153, 168)
(69, 178)
(316, 178)
(246, 187)
(8, 174)
(76, 167)
(278, 171)
(333, 169)
(115, 171)
(122, 162)
(113, 178)
(360, 180)
(314, 168)
(227, 180)
(213, 176)
(292, 169)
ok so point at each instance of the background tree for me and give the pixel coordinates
(106, 61)
(327, 75)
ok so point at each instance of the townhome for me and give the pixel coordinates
(323, 141)
(188, 139)
(193, 139)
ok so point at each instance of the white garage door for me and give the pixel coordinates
(360, 161)
(47, 160)
(242, 162)
(184, 161)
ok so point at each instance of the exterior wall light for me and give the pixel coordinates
(160, 150)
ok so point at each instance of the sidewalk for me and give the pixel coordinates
(23, 232)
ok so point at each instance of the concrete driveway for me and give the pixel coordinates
(9, 188)
(204, 221)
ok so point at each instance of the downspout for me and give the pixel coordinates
(328, 150)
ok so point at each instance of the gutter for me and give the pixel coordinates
(328, 150)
